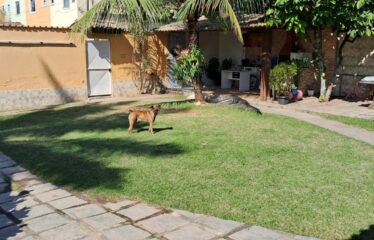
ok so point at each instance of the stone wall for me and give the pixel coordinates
(18, 99)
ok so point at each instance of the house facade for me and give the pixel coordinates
(47, 13)
(14, 11)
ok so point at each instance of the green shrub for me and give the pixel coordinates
(189, 64)
(282, 76)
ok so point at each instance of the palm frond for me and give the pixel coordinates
(136, 15)
(231, 10)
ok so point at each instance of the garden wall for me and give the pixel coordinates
(34, 74)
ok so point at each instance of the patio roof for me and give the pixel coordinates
(204, 24)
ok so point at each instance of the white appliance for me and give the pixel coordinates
(242, 76)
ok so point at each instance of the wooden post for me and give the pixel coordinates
(265, 65)
(265, 73)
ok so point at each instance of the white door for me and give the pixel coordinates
(98, 62)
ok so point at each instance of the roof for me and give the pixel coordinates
(247, 21)
(19, 25)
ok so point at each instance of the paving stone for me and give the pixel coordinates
(18, 204)
(119, 205)
(46, 222)
(5, 221)
(4, 157)
(138, 211)
(260, 233)
(12, 232)
(12, 170)
(28, 238)
(69, 231)
(33, 212)
(84, 211)
(219, 226)
(52, 195)
(7, 164)
(8, 196)
(20, 176)
(190, 232)
(4, 187)
(32, 182)
(36, 189)
(67, 202)
(104, 221)
(127, 232)
(163, 223)
(189, 215)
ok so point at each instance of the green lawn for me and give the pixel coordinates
(356, 122)
(267, 170)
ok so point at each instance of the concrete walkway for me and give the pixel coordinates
(39, 210)
(340, 128)
(337, 107)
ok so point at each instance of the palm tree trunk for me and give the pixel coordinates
(193, 40)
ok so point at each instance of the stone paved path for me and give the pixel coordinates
(343, 129)
(42, 210)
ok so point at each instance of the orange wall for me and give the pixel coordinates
(122, 48)
(42, 15)
(39, 67)
(54, 66)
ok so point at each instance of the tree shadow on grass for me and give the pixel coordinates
(36, 140)
(365, 234)
(156, 130)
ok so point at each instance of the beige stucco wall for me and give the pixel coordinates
(40, 66)
(122, 49)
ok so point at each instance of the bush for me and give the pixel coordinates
(282, 76)
(213, 70)
(189, 64)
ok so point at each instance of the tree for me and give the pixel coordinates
(191, 10)
(355, 18)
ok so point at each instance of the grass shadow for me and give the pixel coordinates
(156, 130)
(72, 147)
(366, 234)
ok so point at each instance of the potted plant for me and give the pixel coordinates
(281, 78)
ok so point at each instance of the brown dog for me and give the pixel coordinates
(144, 115)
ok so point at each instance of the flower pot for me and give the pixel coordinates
(283, 100)
(310, 93)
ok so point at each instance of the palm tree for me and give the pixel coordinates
(191, 10)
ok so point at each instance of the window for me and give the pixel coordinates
(32, 6)
(66, 3)
(18, 9)
(52, 2)
(44, 3)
